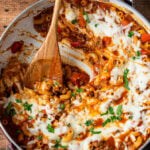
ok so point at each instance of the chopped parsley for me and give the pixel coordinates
(106, 113)
(28, 106)
(74, 21)
(106, 121)
(68, 125)
(57, 144)
(62, 106)
(111, 111)
(13, 112)
(18, 101)
(133, 57)
(114, 116)
(73, 94)
(96, 25)
(9, 108)
(88, 122)
(126, 85)
(119, 110)
(130, 34)
(138, 53)
(40, 137)
(18, 131)
(87, 17)
(79, 90)
(94, 132)
(56, 83)
(30, 118)
(50, 128)
(130, 117)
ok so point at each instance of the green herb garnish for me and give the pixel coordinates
(130, 34)
(18, 101)
(130, 117)
(111, 111)
(114, 118)
(74, 21)
(63, 146)
(30, 118)
(106, 113)
(28, 106)
(94, 132)
(96, 25)
(9, 108)
(13, 112)
(73, 94)
(133, 57)
(68, 125)
(18, 131)
(62, 106)
(126, 85)
(119, 110)
(57, 144)
(88, 122)
(56, 83)
(106, 121)
(138, 53)
(50, 128)
(40, 137)
(79, 90)
(87, 17)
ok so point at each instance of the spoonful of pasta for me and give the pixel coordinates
(47, 63)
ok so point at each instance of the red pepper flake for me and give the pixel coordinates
(17, 46)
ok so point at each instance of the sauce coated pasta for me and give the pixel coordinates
(111, 111)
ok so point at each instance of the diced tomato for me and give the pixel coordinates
(145, 37)
(79, 78)
(16, 46)
(125, 22)
(59, 30)
(76, 44)
(106, 40)
(144, 52)
(82, 22)
(43, 111)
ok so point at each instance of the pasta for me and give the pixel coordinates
(111, 111)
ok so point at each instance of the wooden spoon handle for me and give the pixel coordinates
(47, 63)
(55, 14)
(51, 39)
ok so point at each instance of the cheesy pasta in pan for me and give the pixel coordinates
(110, 111)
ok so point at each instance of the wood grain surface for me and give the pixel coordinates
(9, 9)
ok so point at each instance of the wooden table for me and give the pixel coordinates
(9, 9)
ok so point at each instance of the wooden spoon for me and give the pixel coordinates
(47, 63)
